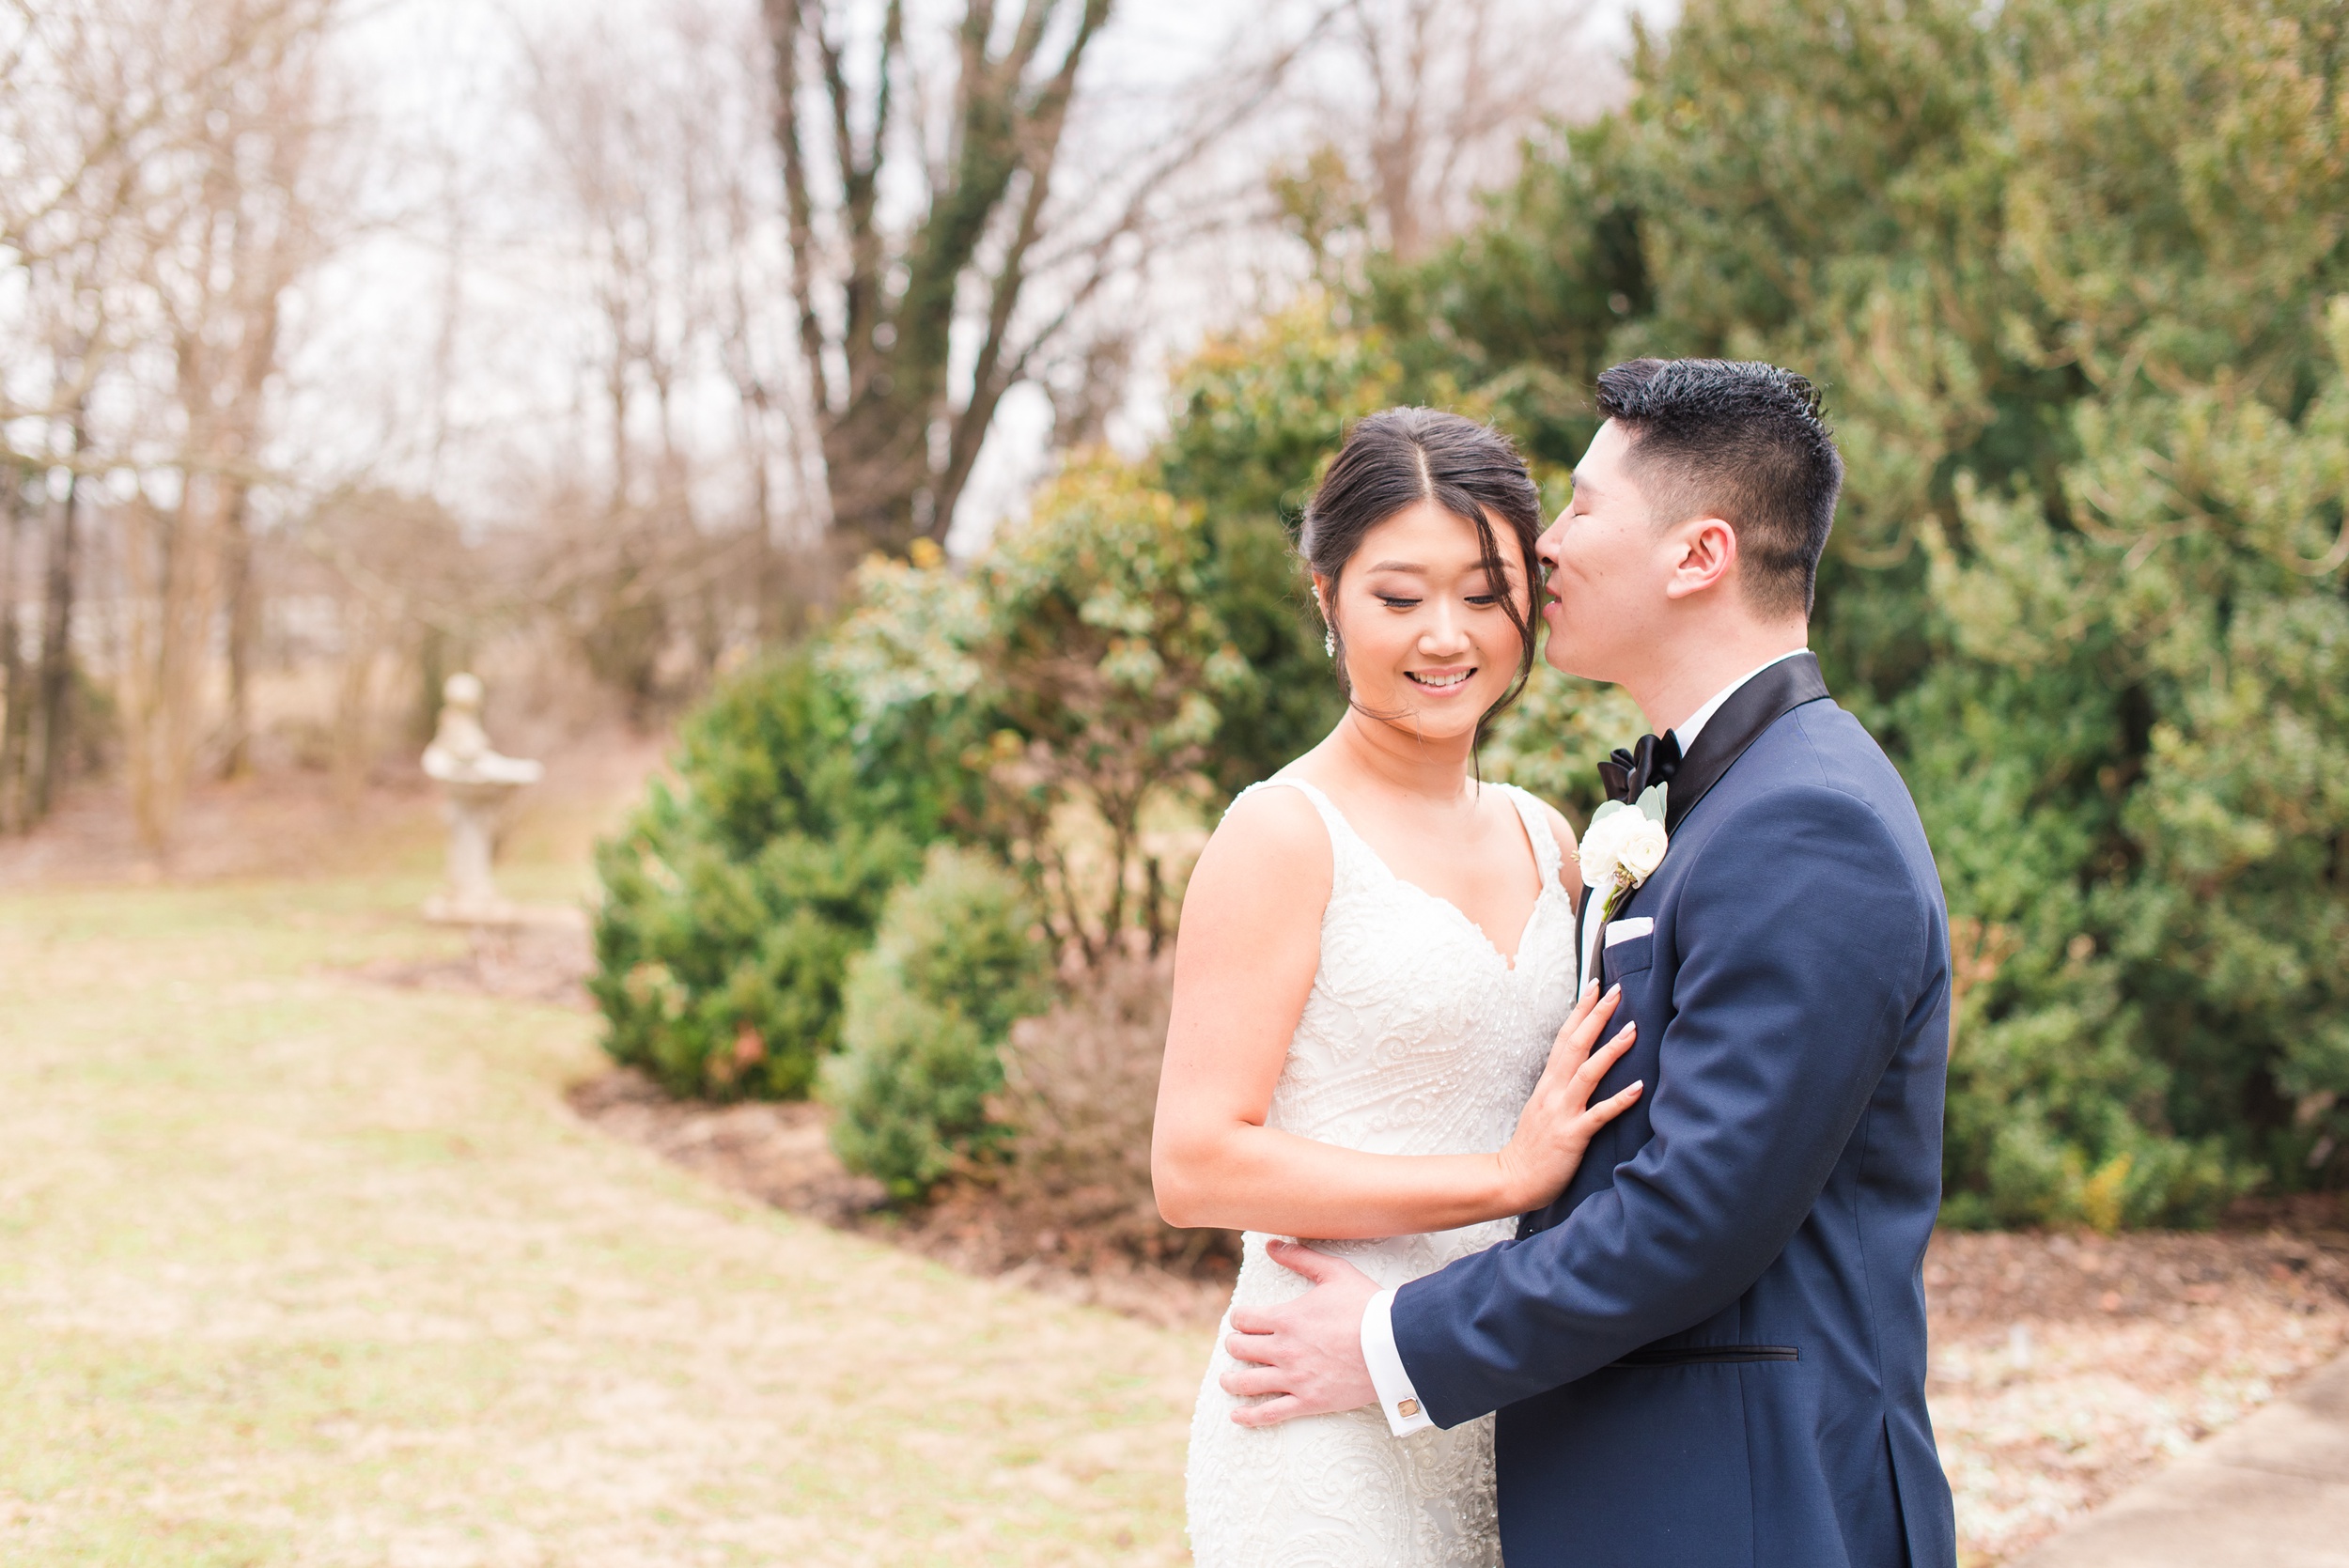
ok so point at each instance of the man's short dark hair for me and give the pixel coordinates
(1740, 441)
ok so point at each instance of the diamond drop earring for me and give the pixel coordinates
(1329, 642)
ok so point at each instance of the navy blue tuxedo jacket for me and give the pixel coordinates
(1710, 1352)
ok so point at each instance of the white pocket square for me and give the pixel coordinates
(1625, 930)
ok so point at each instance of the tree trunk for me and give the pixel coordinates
(191, 610)
(16, 689)
(56, 638)
(898, 444)
(1154, 880)
(245, 616)
(162, 683)
(766, 591)
(878, 461)
(354, 706)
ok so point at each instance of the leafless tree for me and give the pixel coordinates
(741, 265)
(402, 579)
(663, 182)
(936, 260)
(1420, 105)
(160, 216)
(76, 133)
(16, 675)
(236, 232)
(797, 252)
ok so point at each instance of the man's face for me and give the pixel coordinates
(1607, 565)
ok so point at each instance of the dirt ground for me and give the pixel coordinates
(293, 823)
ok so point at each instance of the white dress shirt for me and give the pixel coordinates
(1397, 1398)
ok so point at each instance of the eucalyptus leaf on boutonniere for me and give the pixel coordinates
(1622, 847)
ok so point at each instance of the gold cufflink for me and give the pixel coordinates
(1408, 1408)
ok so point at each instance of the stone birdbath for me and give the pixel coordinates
(476, 787)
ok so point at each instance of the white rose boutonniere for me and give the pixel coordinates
(1622, 847)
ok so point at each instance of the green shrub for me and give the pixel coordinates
(956, 962)
(722, 977)
(733, 903)
(1104, 662)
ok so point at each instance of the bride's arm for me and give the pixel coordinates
(1244, 962)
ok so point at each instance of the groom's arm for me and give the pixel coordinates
(1802, 938)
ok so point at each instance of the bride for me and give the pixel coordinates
(1377, 1041)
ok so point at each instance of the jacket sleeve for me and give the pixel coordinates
(1802, 939)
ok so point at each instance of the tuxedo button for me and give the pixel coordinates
(1408, 1408)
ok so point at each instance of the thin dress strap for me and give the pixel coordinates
(1548, 857)
(1331, 816)
(1344, 840)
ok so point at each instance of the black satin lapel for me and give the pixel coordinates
(1750, 709)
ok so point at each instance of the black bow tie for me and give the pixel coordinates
(1629, 774)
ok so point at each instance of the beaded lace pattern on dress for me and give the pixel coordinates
(1419, 1038)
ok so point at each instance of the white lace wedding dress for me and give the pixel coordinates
(1419, 1038)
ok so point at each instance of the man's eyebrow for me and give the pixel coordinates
(1580, 483)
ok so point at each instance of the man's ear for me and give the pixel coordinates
(1706, 554)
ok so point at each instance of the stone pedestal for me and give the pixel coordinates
(477, 786)
(473, 812)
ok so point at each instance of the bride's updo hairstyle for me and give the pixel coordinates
(1398, 458)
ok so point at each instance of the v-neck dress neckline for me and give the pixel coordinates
(1546, 861)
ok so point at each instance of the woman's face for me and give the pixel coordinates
(1422, 628)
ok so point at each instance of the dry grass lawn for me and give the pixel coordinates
(297, 1268)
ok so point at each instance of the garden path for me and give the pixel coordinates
(2271, 1491)
(297, 1268)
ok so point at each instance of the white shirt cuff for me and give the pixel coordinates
(1398, 1400)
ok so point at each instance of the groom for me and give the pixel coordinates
(1710, 1351)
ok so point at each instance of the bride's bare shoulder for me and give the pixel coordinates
(1271, 842)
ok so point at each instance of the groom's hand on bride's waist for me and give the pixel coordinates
(1306, 1354)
